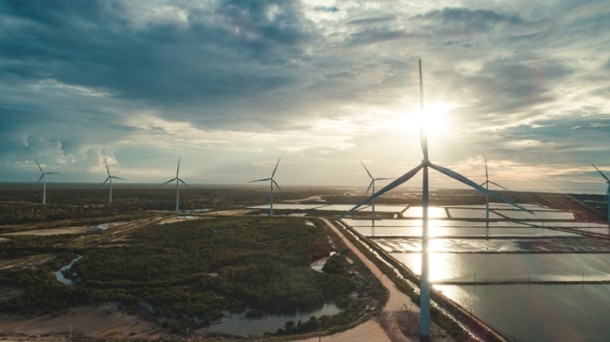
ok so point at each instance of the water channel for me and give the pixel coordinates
(59, 275)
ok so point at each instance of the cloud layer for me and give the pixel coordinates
(232, 85)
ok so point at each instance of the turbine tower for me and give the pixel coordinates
(424, 286)
(178, 181)
(272, 182)
(109, 180)
(372, 186)
(486, 183)
(607, 191)
(43, 178)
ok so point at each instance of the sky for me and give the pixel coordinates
(230, 86)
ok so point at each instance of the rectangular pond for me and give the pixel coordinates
(538, 312)
(459, 245)
(511, 267)
(416, 231)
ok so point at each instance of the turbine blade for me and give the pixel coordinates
(107, 169)
(472, 184)
(369, 188)
(398, 181)
(107, 179)
(41, 177)
(383, 178)
(115, 177)
(169, 181)
(367, 170)
(601, 173)
(52, 173)
(423, 141)
(498, 185)
(276, 185)
(259, 180)
(181, 181)
(39, 167)
(485, 182)
(178, 169)
(275, 169)
(423, 135)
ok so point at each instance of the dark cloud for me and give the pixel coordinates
(332, 9)
(505, 87)
(561, 140)
(475, 20)
(245, 51)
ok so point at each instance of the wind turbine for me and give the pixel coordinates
(271, 183)
(109, 180)
(486, 183)
(43, 178)
(372, 186)
(607, 192)
(424, 286)
(178, 181)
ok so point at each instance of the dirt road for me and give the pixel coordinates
(399, 319)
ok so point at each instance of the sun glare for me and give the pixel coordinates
(435, 118)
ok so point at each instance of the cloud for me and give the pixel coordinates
(320, 82)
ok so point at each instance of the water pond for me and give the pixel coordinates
(239, 325)
(538, 312)
(59, 275)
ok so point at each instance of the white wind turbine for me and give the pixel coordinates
(424, 287)
(272, 182)
(178, 181)
(486, 183)
(607, 191)
(109, 180)
(372, 186)
(43, 178)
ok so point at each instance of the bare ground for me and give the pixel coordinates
(104, 322)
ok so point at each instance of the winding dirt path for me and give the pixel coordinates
(399, 319)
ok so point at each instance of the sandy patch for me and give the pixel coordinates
(28, 261)
(180, 219)
(234, 212)
(54, 231)
(105, 321)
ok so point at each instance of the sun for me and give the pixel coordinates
(435, 118)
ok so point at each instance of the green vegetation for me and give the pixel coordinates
(20, 203)
(188, 274)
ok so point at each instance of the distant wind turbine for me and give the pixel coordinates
(424, 287)
(272, 182)
(607, 191)
(486, 183)
(43, 178)
(372, 186)
(178, 181)
(109, 180)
